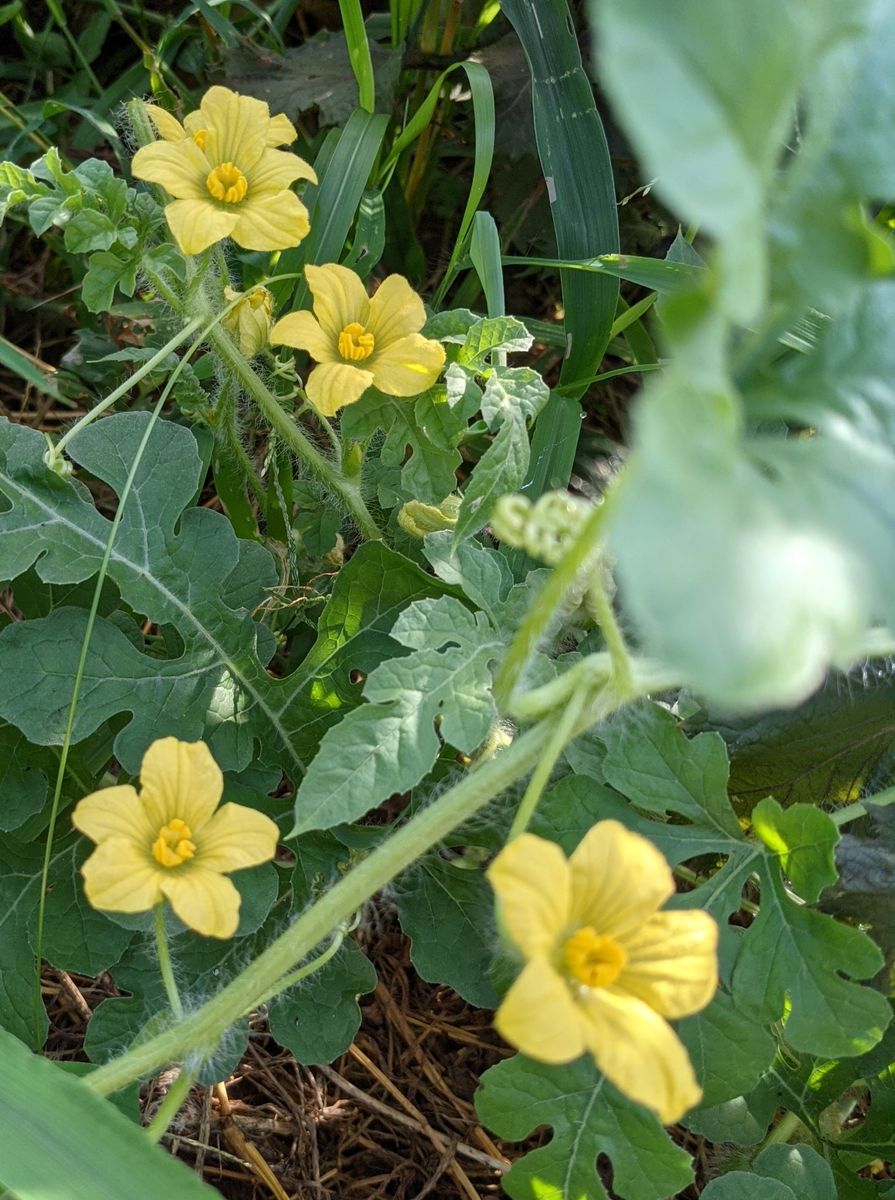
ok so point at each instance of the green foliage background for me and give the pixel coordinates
(747, 520)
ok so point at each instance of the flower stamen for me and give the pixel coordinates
(200, 137)
(356, 343)
(592, 958)
(173, 845)
(226, 182)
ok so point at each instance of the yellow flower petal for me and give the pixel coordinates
(532, 882)
(639, 1052)
(277, 221)
(120, 877)
(179, 167)
(280, 131)
(180, 779)
(672, 962)
(619, 879)
(395, 311)
(302, 331)
(204, 900)
(236, 837)
(237, 127)
(166, 126)
(539, 1017)
(198, 224)
(339, 298)
(112, 812)
(275, 170)
(408, 366)
(333, 385)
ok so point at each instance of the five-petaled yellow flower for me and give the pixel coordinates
(604, 968)
(358, 342)
(171, 841)
(225, 175)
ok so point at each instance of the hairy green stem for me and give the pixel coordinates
(225, 411)
(171, 1105)
(302, 972)
(541, 775)
(612, 634)
(201, 1030)
(547, 603)
(164, 961)
(81, 667)
(147, 368)
(347, 490)
(785, 1128)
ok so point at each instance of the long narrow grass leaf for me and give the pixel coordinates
(484, 250)
(578, 172)
(577, 168)
(15, 360)
(359, 53)
(338, 196)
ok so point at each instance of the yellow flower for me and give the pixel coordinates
(251, 319)
(225, 175)
(360, 342)
(604, 968)
(172, 841)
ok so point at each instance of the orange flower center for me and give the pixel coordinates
(593, 959)
(356, 343)
(173, 845)
(227, 183)
(200, 137)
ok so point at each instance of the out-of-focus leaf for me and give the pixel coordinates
(317, 74)
(865, 888)
(58, 1139)
(819, 753)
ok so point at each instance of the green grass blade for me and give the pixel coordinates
(629, 324)
(575, 159)
(359, 53)
(483, 111)
(484, 250)
(58, 1139)
(660, 274)
(338, 196)
(369, 234)
(13, 359)
(415, 125)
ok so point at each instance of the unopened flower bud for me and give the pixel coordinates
(251, 320)
(418, 519)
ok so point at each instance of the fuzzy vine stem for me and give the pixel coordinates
(199, 1032)
(147, 368)
(549, 601)
(303, 449)
(170, 1105)
(347, 490)
(81, 667)
(785, 1128)
(164, 960)
(540, 777)
(301, 973)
